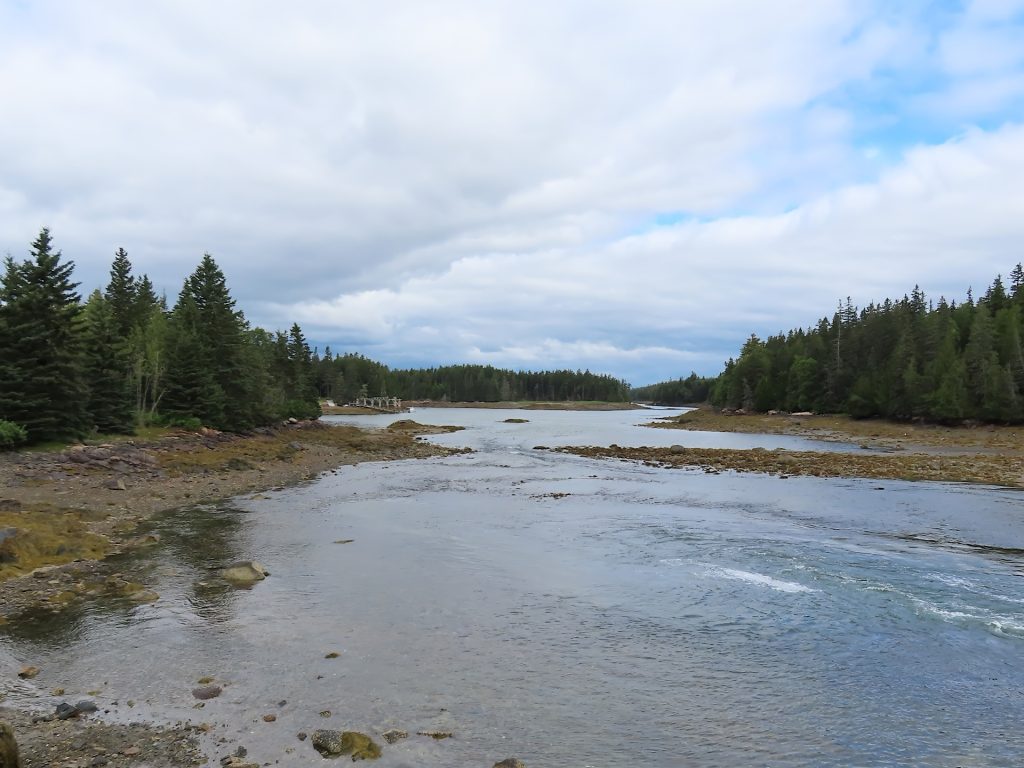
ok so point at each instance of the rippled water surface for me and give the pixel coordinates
(647, 617)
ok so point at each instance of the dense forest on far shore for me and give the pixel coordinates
(905, 359)
(346, 377)
(692, 389)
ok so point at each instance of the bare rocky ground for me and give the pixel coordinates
(88, 742)
(62, 512)
(972, 453)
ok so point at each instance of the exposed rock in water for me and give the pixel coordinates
(245, 573)
(394, 735)
(205, 692)
(437, 735)
(510, 762)
(27, 673)
(517, 421)
(337, 743)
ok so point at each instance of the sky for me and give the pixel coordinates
(627, 187)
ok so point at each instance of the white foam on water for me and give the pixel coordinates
(760, 580)
(1007, 626)
(953, 581)
(675, 562)
(970, 586)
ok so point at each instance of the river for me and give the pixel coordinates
(574, 612)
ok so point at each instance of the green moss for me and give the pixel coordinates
(46, 537)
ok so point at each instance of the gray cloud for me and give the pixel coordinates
(464, 181)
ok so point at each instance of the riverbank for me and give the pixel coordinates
(87, 741)
(980, 454)
(63, 512)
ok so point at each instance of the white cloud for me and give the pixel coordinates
(433, 182)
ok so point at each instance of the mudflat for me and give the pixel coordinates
(988, 454)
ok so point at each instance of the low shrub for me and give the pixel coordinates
(11, 435)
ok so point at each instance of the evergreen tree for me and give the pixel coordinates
(121, 294)
(190, 387)
(106, 365)
(41, 382)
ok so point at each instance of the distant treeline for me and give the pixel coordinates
(346, 377)
(692, 389)
(900, 359)
(123, 359)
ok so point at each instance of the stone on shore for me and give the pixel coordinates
(205, 692)
(337, 743)
(8, 748)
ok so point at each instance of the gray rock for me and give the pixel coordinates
(246, 572)
(394, 735)
(205, 692)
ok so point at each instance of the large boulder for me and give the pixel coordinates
(8, 748)
(246, 572)
(338, 743)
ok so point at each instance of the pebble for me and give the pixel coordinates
(269, 718)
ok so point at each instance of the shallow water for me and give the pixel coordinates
(651, 617)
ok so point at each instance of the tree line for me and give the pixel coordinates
(692, 389)
(346, 377)
(905, 359)
(122, 358)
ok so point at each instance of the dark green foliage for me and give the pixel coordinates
(11, 435)
(106, 365)
(222, 372)
(41, 381)
(346, 377)
(900, 360)
(66, 370)
(692, 389)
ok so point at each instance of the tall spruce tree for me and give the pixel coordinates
(121, 294)
(106, 365)
(207, 359)
(41, 377)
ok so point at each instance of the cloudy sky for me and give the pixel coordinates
(632, 187)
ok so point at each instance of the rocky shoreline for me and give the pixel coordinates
(63, 513)
(986, 454)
